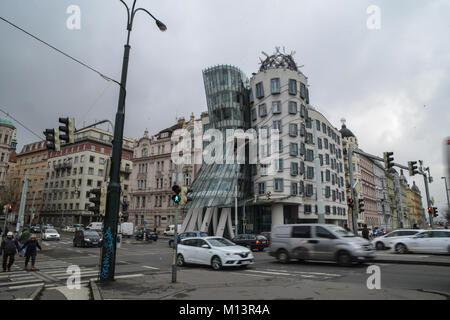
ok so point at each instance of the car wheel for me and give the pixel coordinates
(344, 259)
(301, 254)
(380, 245)
(401, 248)
(216, 263)
(180, 260)
(283, 256)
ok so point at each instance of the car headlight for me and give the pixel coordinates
(356, 246)
(87, 239)
(230, 253)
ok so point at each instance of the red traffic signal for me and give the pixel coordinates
(350, 203)
(10, 208)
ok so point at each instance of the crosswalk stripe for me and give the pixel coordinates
(307, 272)
(26, 286)
(147, 267)
(19, 282)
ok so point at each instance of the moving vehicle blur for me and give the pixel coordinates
(432, 241)
(251, 241)
(187, 234)
(87, 238)
(384, 242)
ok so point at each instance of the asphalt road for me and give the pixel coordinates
(134, 259)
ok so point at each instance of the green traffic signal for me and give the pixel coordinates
(176, 198)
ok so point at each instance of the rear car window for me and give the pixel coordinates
(301, 232)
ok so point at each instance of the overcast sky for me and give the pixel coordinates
(391, 84)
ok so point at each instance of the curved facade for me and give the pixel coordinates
(6, 144)
(227, 100)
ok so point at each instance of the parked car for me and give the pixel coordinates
(187, 234)
(267, 235)
(319, 242)
(217, 252)
(170, 231)
(35, 229)
(50, 234)
(87, 238)
(254, 242)
(149, 235)
(68, 229)
(384, 242)
(432, 241)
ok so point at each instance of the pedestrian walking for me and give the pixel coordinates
(31, 251)
(365, 232)
(8, 249)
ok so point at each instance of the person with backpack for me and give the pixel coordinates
(8, 249)
(31, 251)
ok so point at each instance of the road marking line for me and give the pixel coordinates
(150, 267)
(252, 275)
(129, 276)
(307, 272)
(268, 272)
(19, 282)
(26, 286)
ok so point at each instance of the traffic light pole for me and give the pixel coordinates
(175, 235)
(352, 192)
(430, 214)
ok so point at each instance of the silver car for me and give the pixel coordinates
(319, 242)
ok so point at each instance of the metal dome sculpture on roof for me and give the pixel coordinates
(278, 60)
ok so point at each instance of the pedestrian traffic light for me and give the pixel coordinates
(435, 212)
(52, 137)
(350, 203)
(95, 200)
(361, 205)
(176, 197)
(184, 195)
(68, 130)
(412, 166)
(388, 160)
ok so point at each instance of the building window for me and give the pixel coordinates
(293, 130)
(309, 190)
(259, 90)
(307, 209)
(276, 107)
(278, 185)
(309, 138)
(279, 144)
(292, 86)
(302, 167)
(309, 155)
(292, 107)
(319, 143)
(262, 110)
(303, 111)
(294, 187)
(293, 149)
(91, 171)
(301, 188)
(275, 85)
(277, 125)
(294, 168)
(302, 90)
(261, 188)
(253, 114)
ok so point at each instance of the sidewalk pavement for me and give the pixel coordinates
(192, 284)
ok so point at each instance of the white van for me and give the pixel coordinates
(170, 231)
(95, 226)
(126, 228)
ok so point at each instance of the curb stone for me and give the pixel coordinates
(96, 294)
(37, 292)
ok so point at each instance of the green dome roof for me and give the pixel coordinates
(7, 121)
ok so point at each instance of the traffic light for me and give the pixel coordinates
(10, 208)
(430, 210)
(68, 130)
(388, 160)
(350, 203)
(268, 194)
(184, 195)
(176, 197)
(124, 205)
(95, 200)
(435, 212)
(361, 205)
(52, 137)
(412, 166)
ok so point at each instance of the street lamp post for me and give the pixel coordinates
(113, 193)
(446, 193)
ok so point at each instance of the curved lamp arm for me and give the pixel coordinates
(128, 13)
(160, 25)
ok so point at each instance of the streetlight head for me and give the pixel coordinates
(161, 25)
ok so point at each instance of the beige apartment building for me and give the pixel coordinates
(77, 169)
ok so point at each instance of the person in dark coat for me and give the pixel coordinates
(8, 249)
(30, 251)
(365, 232)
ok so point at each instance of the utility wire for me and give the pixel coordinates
(9, 115)
(63, 53)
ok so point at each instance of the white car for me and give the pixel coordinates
(217, 252)
(432, 241)
(385, 242)
(50, 234)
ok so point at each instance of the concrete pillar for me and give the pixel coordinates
(277, 214)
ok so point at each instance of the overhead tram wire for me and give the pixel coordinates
(9, 115)
(62, 52)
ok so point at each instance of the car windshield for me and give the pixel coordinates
(91, 234)
(261, 238)
(220, 242)
(341, 231)
(51, 231)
